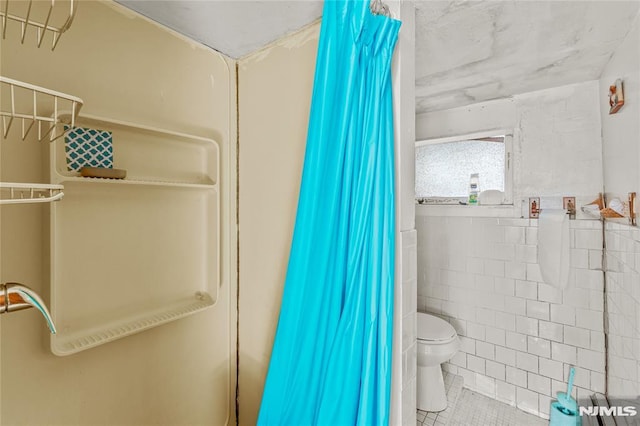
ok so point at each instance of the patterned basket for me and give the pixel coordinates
(88, 147)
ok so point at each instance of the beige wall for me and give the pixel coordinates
(127, 68)
(275, 94)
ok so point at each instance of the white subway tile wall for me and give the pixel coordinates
(519, 336)
(409, 316)
(623, 306)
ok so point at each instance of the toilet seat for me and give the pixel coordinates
(434, 329)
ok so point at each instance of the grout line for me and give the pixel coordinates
(237, 246)
(605, 308)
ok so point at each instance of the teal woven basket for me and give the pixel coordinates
(88, 147)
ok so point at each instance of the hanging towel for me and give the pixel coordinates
(553, 247)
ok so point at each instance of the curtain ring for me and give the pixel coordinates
(377, 7)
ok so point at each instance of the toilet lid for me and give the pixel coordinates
(434, 328)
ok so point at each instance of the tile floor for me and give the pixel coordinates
(468, 408)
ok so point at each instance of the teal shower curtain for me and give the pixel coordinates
(331, 359)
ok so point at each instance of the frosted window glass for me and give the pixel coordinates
(443, 169)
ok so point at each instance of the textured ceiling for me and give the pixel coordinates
(466, 51)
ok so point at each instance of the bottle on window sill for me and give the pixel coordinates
(474, 189)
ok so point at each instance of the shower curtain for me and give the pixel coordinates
(331, 358)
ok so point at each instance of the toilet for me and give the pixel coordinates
(437, 343)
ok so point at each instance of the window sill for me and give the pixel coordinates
(506, 210)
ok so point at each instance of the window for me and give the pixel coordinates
(444, 167)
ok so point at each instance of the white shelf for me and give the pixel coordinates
(87, 338)
(24, 193)
(44, 17)
(135, 253)
(35, 107)
(150, 155)
(140, 182)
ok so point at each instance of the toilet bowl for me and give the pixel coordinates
(437, 343)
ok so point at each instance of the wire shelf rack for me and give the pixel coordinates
(36, 107)
(43, 18)
(23, 193)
